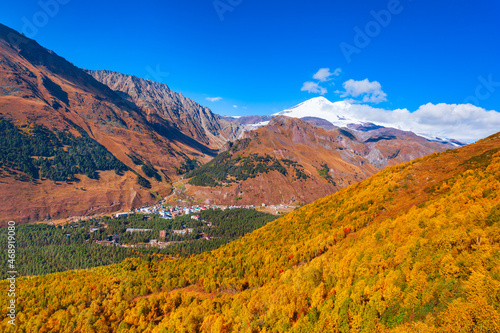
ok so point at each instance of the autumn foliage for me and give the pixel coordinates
(415, 248)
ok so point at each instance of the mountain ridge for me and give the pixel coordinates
(158, 100)
(38, 87)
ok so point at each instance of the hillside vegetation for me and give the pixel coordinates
(415, 248)
(38, 152)
(232, 166)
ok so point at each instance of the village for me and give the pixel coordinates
(166, 212)
(169, 212)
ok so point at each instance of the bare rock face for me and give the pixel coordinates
(158, 101)
(40, 88)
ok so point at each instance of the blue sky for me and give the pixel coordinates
(257, 55)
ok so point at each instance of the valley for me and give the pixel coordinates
(414, 247)
(172, 168)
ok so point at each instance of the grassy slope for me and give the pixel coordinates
(414, 248)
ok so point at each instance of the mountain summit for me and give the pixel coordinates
(338, 113)
(354, 116)
(90, 142)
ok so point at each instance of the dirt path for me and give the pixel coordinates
(179, 194)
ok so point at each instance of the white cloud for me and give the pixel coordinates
(458, 121)
(324, 74)
(370, 92)
(313, 87)
(235, 106)
(214, 99)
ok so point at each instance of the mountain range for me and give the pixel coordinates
(393, 231)
(46, 97)
(81, 142)
(414, 248)
(293, 161)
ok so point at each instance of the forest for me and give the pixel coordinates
(151, 172)
(414, 248)
(226, 168)
(45, 248)
(187, 165)
(38, 153)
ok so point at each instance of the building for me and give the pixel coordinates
(165, 214)
(137, 230)
(104, 242)
(146, 210)
(182, 231)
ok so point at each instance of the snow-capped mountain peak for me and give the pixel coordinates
(338, 113)
(345, 114)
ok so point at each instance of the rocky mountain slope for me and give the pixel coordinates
(415, 248)
(293, 161)
(159, 102)
(87, 130)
